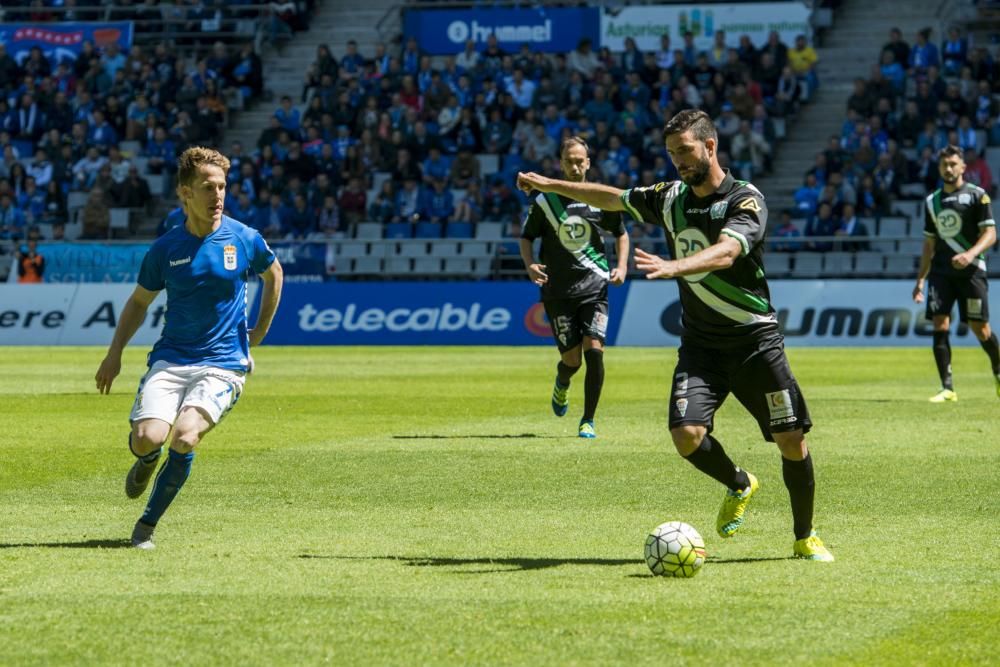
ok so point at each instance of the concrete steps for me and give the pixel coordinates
(849, 50)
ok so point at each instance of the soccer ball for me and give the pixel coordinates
(675, 549)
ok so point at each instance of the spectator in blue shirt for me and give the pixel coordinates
(923, 54)
(300, 220)
(598, 108)
(440, 202)
(436, 167)
(352, 62)
(787, 229)
(12, 220)
(243, 210)
(822, 224)
(162, 153)
(288, 116)
(807, 197)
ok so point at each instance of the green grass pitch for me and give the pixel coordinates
(423, 506)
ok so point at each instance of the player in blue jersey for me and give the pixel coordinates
(198, 366)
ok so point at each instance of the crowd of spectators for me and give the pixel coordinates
(917, 99)
(63, 122)
(427, 122)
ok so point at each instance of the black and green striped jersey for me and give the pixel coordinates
(726, 308)
(955, 220)
(572, 247)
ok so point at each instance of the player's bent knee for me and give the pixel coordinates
(687, 438)
(592, 344)
(149, 435)
(185, 441)
(792, 444)
(572, 357)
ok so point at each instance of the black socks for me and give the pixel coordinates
(942, 356)
(801, 485)
(593, 382)
(711, 459)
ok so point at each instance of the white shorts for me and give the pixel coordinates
(165, 389)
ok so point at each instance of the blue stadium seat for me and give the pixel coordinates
(458, 230)
(399, 230)
(428, 230)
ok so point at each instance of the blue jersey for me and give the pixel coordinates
(206, 283)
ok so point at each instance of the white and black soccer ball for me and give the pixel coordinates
(675, 549)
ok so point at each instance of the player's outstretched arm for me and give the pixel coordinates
(273, 280)
(600, 196)
(132, 316)
(720, 255)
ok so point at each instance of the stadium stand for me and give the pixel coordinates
(382, 143)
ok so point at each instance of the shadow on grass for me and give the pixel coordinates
(82, 544)
(505, 564)
(505, 436)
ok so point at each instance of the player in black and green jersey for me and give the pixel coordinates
(573, 275)
(958, 230)
(731, 344)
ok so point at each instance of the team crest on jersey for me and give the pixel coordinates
(985, 200)
(718, 210)
(964, 199)
(749, 204)
(229, 257)
(949, 223)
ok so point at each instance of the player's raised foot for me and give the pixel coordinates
(138, 476)
(142, 536)
(734, 506)
(560, 399)
(947, 396)
(812, 548)
(587, 429)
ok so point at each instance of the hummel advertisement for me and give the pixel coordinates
(835, 313)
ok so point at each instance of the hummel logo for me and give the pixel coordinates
(178, 262)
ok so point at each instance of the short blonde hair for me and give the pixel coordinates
(194, 157)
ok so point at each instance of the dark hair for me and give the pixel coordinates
(951, 150)
(696, 120)
(573, 141)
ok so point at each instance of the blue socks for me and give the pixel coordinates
(169, 481)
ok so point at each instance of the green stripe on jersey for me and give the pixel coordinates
(738, 295)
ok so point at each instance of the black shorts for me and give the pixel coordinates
(759, 377)
(572, 319)
(972, 295)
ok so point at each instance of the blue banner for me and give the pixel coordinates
(552, 30)
(301, 262)
(62, 41)
(92, 262)
(418, 313)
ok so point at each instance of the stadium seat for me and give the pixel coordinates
(457, 266)
(488, 163)
(458, 230)
(885, 247)
(481, 267)
(476, 249)
(351, 249)
(444, 249)
(489, 231)
(901, 265)
(911, 247)
(397, 265)
(368, 230)
(411, 249)
(894, 227)
(912, 191)
(838, 264)
(778, 264)
(119, 220)
(427, 230)
(868, 263)
(427, 266)
(366, 265)
(399, 230)
(808, 264)
(73, 230)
